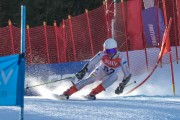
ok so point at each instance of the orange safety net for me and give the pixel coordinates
(81, 37)
(6, 43)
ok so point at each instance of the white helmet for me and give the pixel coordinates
(110, 46)
(110, 43)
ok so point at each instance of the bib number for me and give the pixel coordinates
(108, 70)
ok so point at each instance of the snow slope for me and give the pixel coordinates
(152, 101)
(128, 108)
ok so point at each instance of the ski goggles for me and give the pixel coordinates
(111, 51)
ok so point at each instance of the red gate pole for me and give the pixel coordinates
(170, 55)
(56, 37)
(144, 42)
(175, 30)
(106, 20)
(157, 18)
(72, 37)
(125, 31)
(64, 40)
(46, 41)
(172, 72)
(29, 43)
(178, 20)
(11, 36)
(159, 35)
(89, 30)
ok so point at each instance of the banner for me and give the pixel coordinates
(10, 89)
(152, 28)
(134, 23)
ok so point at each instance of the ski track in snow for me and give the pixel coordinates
(128, 108)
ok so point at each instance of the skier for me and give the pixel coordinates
(107, 71)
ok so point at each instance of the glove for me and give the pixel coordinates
(120, 88)
(122, 85)
(82, 72)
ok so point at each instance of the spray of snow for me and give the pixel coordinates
(160, 83)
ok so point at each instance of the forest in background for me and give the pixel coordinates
(43, 10)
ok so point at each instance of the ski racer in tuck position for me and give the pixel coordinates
(107, 71)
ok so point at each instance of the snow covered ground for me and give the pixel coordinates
(152, 101)
(130, 108)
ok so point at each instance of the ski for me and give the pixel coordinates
(60, 97)
(87, 97)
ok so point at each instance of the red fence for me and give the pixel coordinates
(81, 37)
(76, 39)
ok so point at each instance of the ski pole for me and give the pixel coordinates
(130, 83)
(48, 82)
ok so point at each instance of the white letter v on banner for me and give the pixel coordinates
(6, 78)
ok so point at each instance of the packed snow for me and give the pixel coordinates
(152, 101)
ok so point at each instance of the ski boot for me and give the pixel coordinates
(67, 93)
(61, 97)
(90, 97)
(94, 92)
